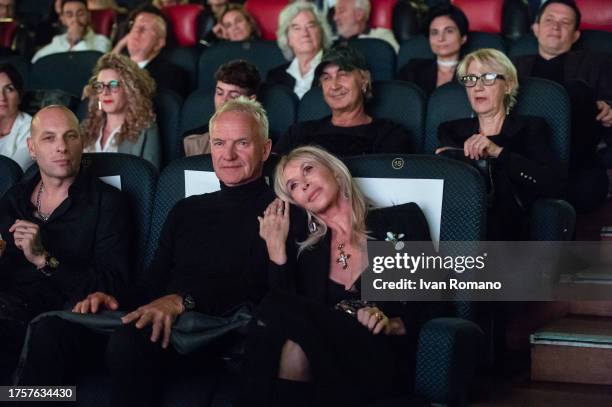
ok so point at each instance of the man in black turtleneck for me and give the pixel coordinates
(588, 79)
(210, 259)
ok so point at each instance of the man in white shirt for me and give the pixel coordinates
(351, 18)
(79, 35)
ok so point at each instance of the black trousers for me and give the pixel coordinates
(12, 334)
(587, 185)
(61, 351)
(349, 365)
(14, 318)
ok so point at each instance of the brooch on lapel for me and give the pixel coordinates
(395, 239)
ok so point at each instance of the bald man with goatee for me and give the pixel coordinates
(65, 233)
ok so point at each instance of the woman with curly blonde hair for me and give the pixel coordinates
(120, 115)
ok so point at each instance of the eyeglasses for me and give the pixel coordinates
(113, 86)
(488, 79)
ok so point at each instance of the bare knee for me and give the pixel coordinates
(293, 363)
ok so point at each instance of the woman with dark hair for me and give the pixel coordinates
(14, 124)
(236, 24)
(447, 30)
(120, 115)
(317, 343)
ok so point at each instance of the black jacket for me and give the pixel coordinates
(90, 234)
(279, 76)
(169, 76)
(309, 271)
(423, 72)
(527, 168)
(594, 69)
(379, 136)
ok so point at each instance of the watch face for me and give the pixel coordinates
(53, 262)
(188, 302)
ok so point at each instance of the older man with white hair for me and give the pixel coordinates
(352, 21)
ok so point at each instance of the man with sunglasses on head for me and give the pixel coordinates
(79, 35)
(65, 233)
(587, 77)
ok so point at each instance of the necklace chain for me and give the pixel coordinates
(44, 217)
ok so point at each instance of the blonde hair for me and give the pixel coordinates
(243, 104)
(285, 18)
(498, 61)
(139, 89)
(345, 182)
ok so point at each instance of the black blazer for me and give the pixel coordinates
(527, 169)
(169, 76)
(309, 273)
(423, 72)
(528, 158)
(279, 76)
(594, 69)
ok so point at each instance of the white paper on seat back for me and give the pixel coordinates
(427, 193)
(113, 180)
(200, 182)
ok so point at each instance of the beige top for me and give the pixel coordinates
(196, 144)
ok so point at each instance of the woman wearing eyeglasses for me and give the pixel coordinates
(120, 115)
(525, 166)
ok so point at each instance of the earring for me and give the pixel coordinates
(33, 158)
(312, 227)
(99, 105)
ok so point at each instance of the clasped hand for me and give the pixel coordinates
(27, 239)
(480, 146)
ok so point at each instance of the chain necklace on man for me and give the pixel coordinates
(44, 217)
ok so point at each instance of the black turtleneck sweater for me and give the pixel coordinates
(210, 249)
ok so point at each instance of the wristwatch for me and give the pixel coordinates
(188, 302)
(51, 264)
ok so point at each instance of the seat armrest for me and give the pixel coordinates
(447, 356)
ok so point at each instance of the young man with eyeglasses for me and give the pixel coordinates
(587, 77)
(65, 233)
(79, 35)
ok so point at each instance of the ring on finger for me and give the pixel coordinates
(379, 316)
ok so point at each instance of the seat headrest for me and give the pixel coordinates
(483, 15)
(184, 21)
